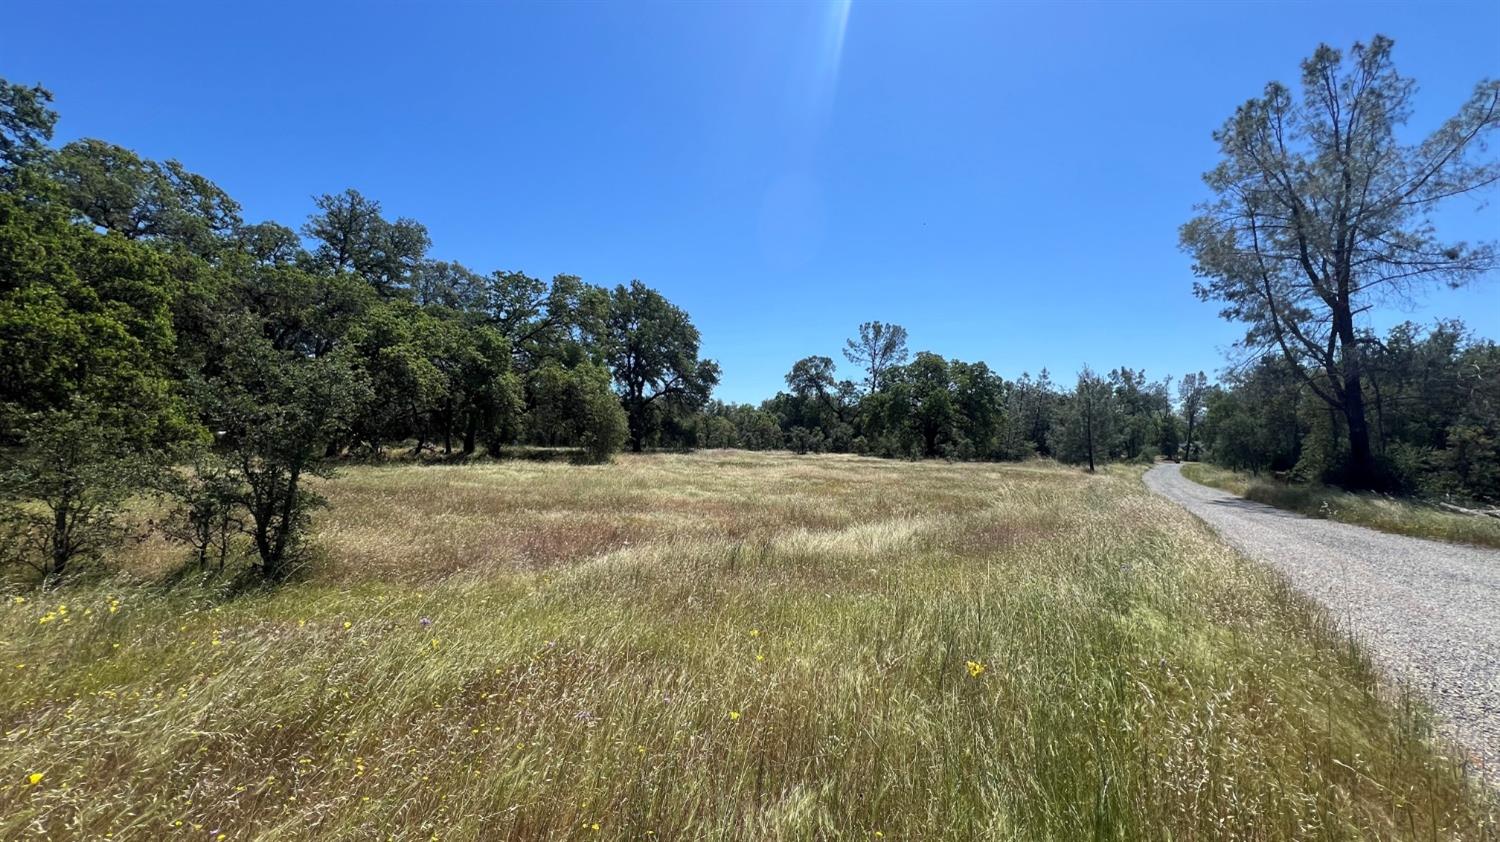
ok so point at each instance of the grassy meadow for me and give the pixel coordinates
(721, 645)
(1376, 511)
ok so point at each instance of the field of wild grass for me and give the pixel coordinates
(717, 646)
(1376, 511)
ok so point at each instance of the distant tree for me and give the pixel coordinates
(1192, 391)
(440, 283)
(653, 354)
(346, 226)
(979, 397)
(1088, 421)
(878, 348)
(352, 236)
(920, 408)
(560, 321)
(1320, 212)
(271, 244)
(1033, 407)
(577, 407)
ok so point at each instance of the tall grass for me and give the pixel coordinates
(1377, 511)
(720, 645)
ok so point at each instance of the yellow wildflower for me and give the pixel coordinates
(755, 632)
(18, 600)
(976, 669)
(348, 625)
(35, 778)
(734, 716)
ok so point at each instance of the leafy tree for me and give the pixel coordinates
(271, 244)
(405, 383)
(1192, 391)
(1320, 212)
(1088, 421)
(352, 236)
(979, 397)
(922, 394)
(653, 354)
(63, 491)
(207, 515)
(277, 411)
(577, 407)
(440, 283)
(85, 317)
(26, 124)
(878, 349)
(117, 190)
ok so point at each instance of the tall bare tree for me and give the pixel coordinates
(1320, 213)
(879, 348)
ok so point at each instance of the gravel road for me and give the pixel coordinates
(1428, 610)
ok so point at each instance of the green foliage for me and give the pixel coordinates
(576, 407)
(1088, 422)
(26, 124)
(1435, 410)
(652, 348)
(115, 189)
(85, 317)
(62, 491)
(276, 412)
(352, 236)
(207, 514)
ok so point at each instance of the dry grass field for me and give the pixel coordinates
(717, 646)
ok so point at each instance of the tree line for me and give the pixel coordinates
(925, 406)
(146, 326)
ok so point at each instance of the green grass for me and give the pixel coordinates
(721, 645)
(1377, 511)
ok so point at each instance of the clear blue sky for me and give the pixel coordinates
(1004, 180)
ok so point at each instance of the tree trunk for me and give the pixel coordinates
(1361, 472)
(471, 428)
(60, 541)
(1089, 433)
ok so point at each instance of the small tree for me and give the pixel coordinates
(578, 407)
(277, 412)
(62, 494)
(207, 516)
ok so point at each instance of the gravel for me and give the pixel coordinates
(1429, 611)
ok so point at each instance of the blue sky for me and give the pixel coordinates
(1005, 180)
